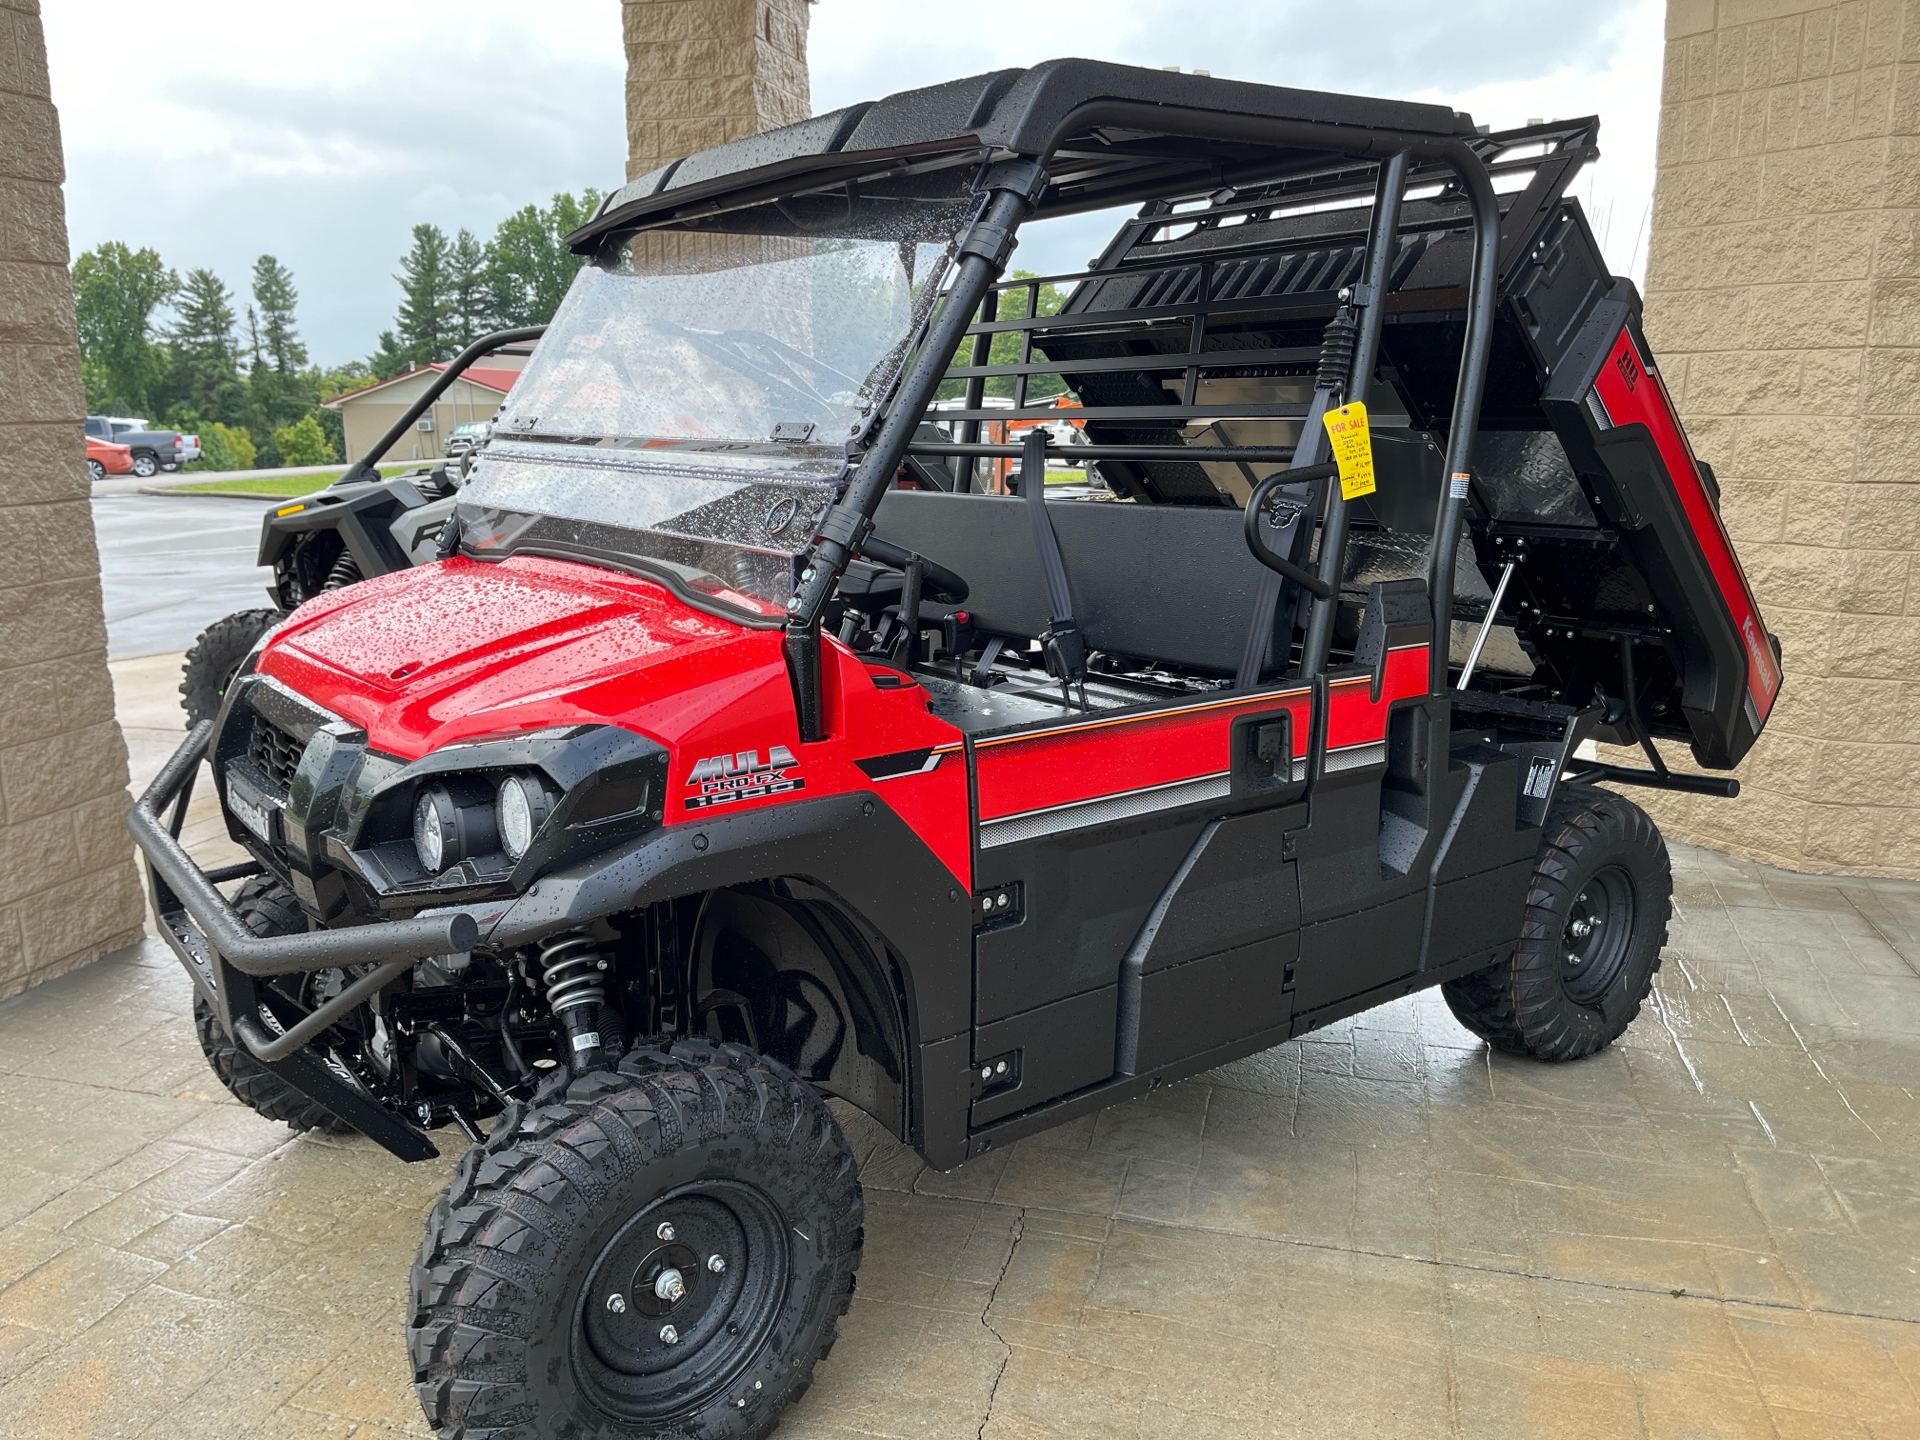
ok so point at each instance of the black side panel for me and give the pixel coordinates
(1085, 897)
(1203, 1004)
(1055, 1050)
(1240, 890)
(1347, 954)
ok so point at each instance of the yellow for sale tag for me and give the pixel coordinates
(1352, 449)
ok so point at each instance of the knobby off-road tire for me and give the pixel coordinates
(1590, 942)
(266, 908)
(215, 658)
(515, 1333)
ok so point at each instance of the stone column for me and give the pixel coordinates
(1783, 301)
(702, 72)
(68, 891)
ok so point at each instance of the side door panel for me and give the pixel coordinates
(1085, 825)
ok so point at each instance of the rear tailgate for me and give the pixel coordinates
(1615, 419)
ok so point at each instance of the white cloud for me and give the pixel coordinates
(219, 129)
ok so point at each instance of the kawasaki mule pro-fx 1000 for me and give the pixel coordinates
(743, 752)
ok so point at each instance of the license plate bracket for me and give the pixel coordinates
(253, 809)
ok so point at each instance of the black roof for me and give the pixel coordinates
(1096, 164)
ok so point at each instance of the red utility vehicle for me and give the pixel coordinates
(741, 752)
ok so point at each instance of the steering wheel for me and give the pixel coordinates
(938, 584)
(1305, 579)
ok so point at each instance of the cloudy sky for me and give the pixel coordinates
(214, 130)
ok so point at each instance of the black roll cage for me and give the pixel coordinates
(1013, 187)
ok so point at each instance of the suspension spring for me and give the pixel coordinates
(570, 969)
(1337, 344)
(345, 571)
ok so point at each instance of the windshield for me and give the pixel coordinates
(690, 406)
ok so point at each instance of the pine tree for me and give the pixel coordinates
(204, 378)
(467, 289)
(115, 292)
(528, 264)
(274, 294)
(425, 320)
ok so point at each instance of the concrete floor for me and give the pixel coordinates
(1709, 1230)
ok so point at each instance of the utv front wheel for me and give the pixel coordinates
(266, 907)
(216, 657)
(1590, 941)
(657, 1250)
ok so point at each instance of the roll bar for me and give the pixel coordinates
(363, 468)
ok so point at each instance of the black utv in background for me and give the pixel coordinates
(741, 752)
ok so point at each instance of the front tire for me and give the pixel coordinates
(266, 907)
(1590, 940)
(544, 1298)
(216, 658)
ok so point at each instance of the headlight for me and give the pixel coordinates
(448, 829)
(524, 807)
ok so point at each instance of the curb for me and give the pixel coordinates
(216, 494)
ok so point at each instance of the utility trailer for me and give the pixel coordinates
(743, 752)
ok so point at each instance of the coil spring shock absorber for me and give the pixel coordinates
(1337, 344)
(571, 968)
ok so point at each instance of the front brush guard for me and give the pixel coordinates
(224, 958)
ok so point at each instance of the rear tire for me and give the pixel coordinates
(540, 1294)
(216, 657)
(266, 908)
(96, 471)
(1590, 940)
(145, 464)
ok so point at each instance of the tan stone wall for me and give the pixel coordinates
(67, 885)
(1783, 300)
(702, 72)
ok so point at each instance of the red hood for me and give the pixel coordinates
(467, 648)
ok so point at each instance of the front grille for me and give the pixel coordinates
(275, 754)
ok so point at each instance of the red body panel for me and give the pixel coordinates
(1096, 758)
(1633, 393)
(464, 649)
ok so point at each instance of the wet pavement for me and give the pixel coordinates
(1710, 1230)
(171, 565)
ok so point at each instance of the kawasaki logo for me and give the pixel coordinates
(721, 779)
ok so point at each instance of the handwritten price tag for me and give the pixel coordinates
(1352, 449)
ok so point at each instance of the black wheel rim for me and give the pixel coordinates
(1596, 936)
(641, 1351)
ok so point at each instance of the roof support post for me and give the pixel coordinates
(1383, 231)
(1466, 403)
(1012, 189)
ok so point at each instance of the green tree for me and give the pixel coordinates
(425, 321)
(528, 266)
(239, 443)
(390, 359)
(303, 443)
(468, 297)
(203, 379)
(275, 297)
(115, 292)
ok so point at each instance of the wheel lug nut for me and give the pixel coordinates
(670, 1287)
(665, 1232)
(717, 1265)
(617, 1304)
(669, 1335)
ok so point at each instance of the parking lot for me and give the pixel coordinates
(1710, 1230)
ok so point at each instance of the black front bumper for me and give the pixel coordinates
(224, 958)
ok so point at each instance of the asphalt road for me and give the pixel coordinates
(172, 565)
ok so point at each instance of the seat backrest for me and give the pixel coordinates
(1166, 583)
